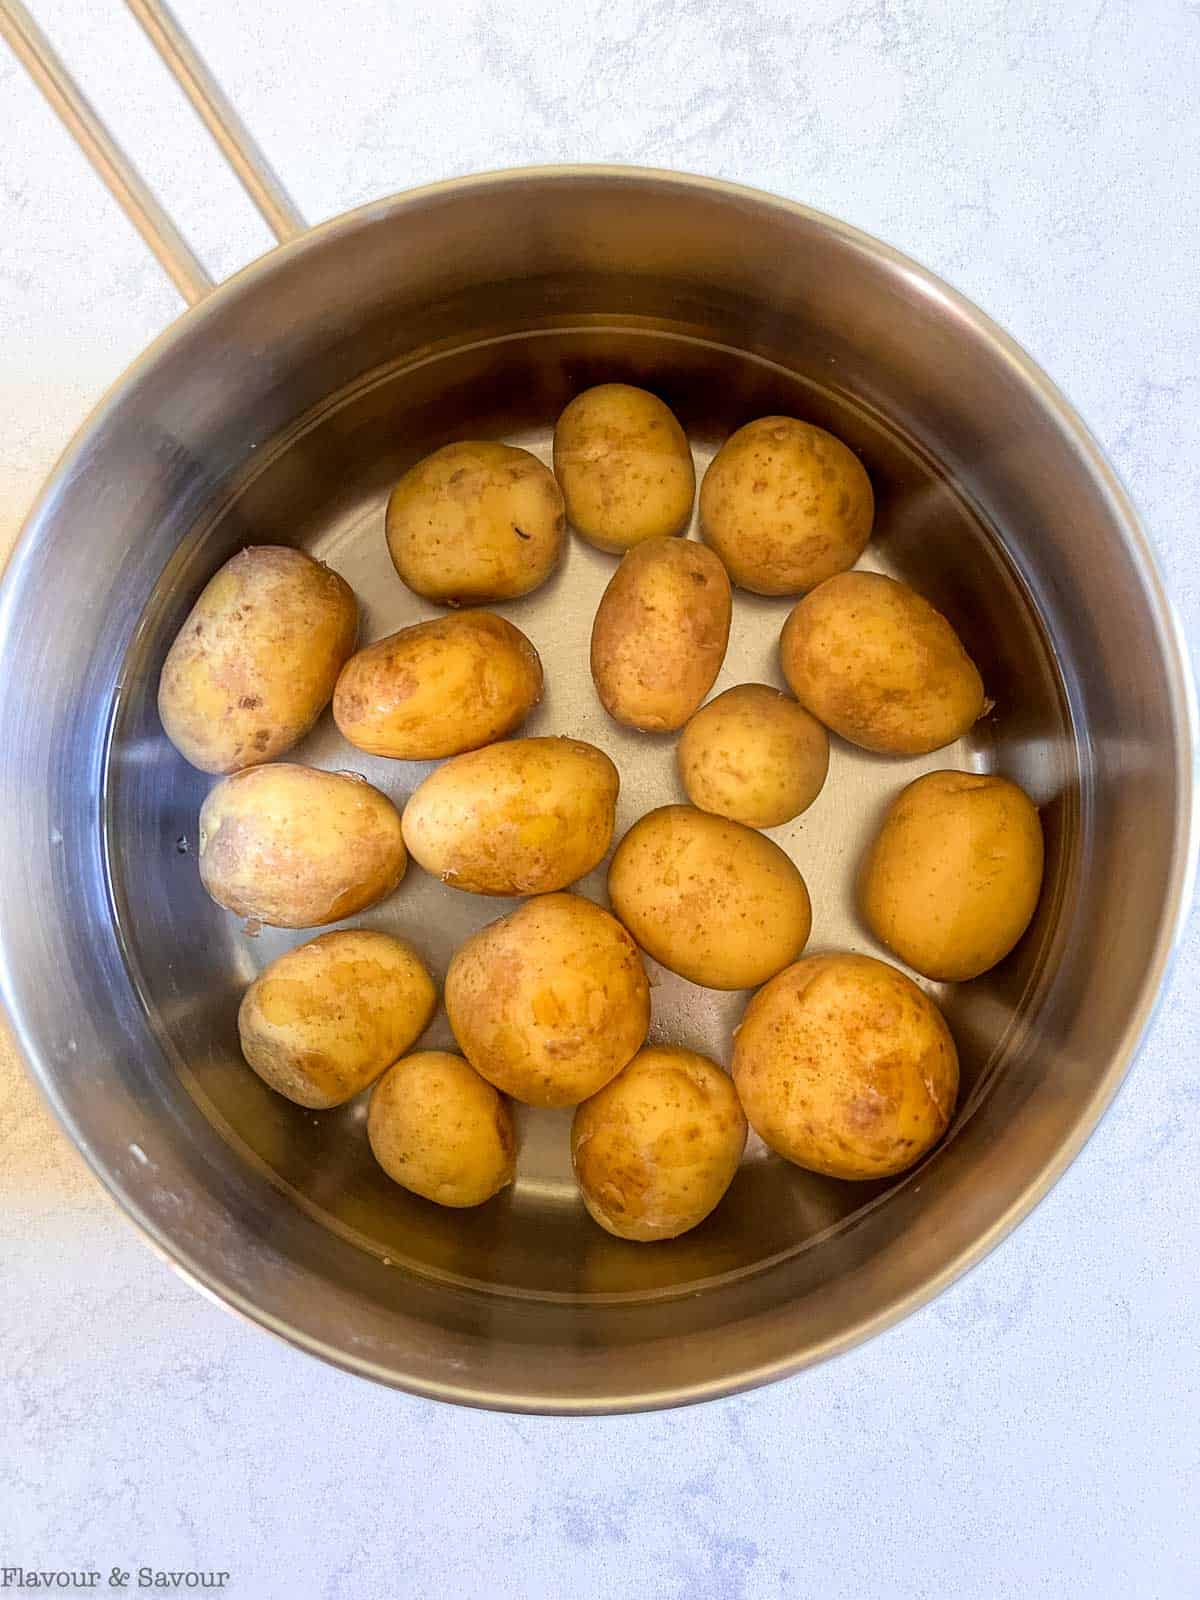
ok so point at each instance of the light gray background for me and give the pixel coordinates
(1033, 1432)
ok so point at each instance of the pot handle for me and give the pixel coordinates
(132, 193)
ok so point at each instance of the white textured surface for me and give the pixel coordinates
(1036, 1431)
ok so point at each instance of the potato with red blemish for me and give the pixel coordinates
(436, 1127)
(625, 467)
(475, 522)
(660, 634)
(255, 663)
(524, 816)
(325, 1019)
(297, 848)
(785, 505)
(845, 1067)
(549, 1003)
(656, 1149)
(438, 688)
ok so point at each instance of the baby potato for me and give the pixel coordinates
(255, 663)
(475, 521)
(296, 848)
(785, 505)
(660, 633)
(324, 1020)
(550, 1002)
(624, 465)
(438, 688)
(753, 755)
(952, 879)
(525, 816)
(713, 901)
(655, 1151)
(845, 1067)
(877, 664)
(437, 1128)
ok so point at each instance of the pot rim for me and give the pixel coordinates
(1183, 706)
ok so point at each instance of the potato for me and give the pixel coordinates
(953, 876)
(324, 1020)
(438, 688)
(785, 505)
(525, 816)
(753, 755)
(475, 522)
(625, 468)
(660, 634)
(296, 848)
(655, 1151)
(550, 1002)
(437, 1128)
(845, 1067)
(710, 899)
(255, 663)
(880, 666)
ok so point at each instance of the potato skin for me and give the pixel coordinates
(474, 522)
(436, 1127)
(753, 755)
(625, 467)
(655, 1151)
(660, 633)
(710, 899)
(325, 1019)
(952, 878)
(876, 663)
(296, 848)
(845, 1067)
(525, 816)
(550, 1002)
(255, 663)
(785, 505)
(438, 688)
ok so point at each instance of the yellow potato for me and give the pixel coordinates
(953, 876)
(255, 663)
(324, 1020)
(550, 1002)
(624, 465)
(438, 688)
(877, 664)
(297, 848)
(525, 816)
(785, 505)
(845, 1067)
(476, 522)
(437, 1128)
(710, 899)
(655, 1151)
(660, 633)
(753, 755)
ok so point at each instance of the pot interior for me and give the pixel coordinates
(324, 487)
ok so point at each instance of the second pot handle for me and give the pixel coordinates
(44, 65)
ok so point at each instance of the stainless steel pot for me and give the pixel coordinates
(279, 409)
